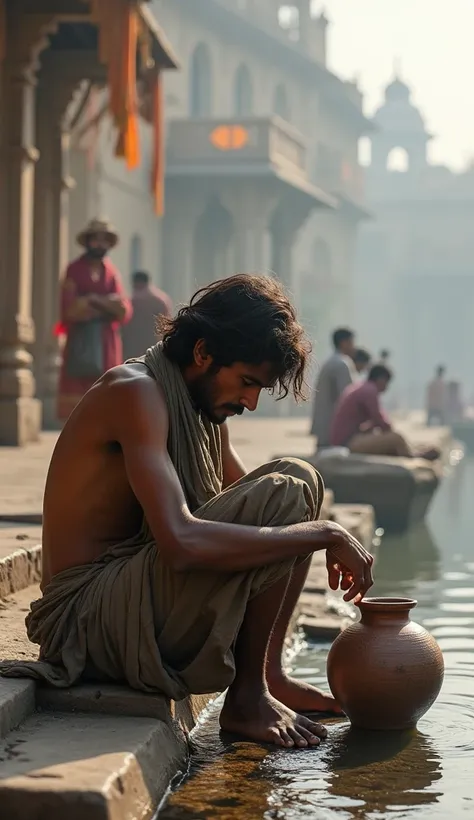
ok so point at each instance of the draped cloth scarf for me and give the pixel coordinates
(128, 616)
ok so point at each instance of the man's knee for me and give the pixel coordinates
(305, 472)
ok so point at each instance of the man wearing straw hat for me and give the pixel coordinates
(93, 307)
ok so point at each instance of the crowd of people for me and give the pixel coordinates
(101, 325)
(347, 411)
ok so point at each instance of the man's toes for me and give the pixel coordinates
(274, 736)
(298, 738)
(315, 728)
(311, 739)
(286, 737)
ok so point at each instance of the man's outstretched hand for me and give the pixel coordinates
(349, 565)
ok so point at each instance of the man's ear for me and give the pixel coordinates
(201, 357)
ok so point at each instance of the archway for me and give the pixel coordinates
(200, 82)
(398, 160)
(281, 105)
(243, 92)
(212, 236)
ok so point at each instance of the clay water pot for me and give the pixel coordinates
(385, 671)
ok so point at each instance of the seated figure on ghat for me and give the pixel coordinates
(165, 564)
(360, 423)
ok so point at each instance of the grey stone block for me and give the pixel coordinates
(399, 489)
(17, 702)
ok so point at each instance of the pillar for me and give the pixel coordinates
(282, 256)
(51, 232)
(287, 219)
(20, 412)
(181, 214)
(251, 211)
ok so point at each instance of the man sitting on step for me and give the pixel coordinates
(360, 423)
(166, 564)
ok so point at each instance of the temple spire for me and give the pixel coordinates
(397, 67)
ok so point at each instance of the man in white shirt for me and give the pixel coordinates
(337, 373)
(437, 398)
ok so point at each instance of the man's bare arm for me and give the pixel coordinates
(187, 543)
(232, 464)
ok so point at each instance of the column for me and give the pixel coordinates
(51, 234)
(181, 214)
(282, 256)
(251, 210)
(20, 412)
(286, 221)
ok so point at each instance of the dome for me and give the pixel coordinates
(397, 91)
(398, 114)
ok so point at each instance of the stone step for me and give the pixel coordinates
(102, 767)
(17, 702)
(358, 519)
(104, 749)
(17, 696)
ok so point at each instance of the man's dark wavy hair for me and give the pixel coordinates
(242, 318)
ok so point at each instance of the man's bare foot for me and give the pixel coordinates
(260, 717)
(301, 696)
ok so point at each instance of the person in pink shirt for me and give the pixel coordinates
(360, 423)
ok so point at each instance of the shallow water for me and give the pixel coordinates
(427, 773)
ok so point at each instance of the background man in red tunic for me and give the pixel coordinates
(91, 290)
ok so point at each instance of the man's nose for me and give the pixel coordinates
(250, 400)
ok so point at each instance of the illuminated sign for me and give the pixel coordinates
(229, 137)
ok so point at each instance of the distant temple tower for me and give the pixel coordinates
(400, 128)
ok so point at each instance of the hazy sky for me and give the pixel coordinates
(433, 41)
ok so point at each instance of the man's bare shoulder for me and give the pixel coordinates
(125, 402)
(132, 384)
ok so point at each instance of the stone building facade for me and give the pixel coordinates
(48, 50)
(262, 160)
(414, 273)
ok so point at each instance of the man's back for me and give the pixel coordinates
(88, 502)
(140, 333)
(358, 407)
(335, 375)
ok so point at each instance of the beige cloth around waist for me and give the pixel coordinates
(131, 618)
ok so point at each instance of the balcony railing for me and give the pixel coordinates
(233, 143)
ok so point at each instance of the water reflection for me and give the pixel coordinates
(358, 774)
(410, 776)
(405, 561)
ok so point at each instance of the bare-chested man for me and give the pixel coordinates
(167, 565)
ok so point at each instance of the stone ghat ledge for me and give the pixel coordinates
(105, 752)
(99, 766)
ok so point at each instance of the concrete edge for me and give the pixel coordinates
(20, 569)
(17, 702)
(127, 780)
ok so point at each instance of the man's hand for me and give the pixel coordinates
(349, 565)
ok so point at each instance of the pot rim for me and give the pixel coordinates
(382, 604)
